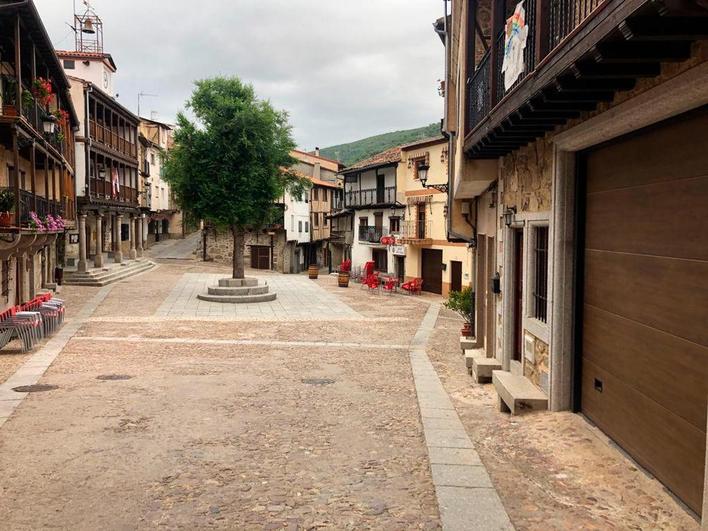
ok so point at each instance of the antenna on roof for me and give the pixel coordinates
(142, 95)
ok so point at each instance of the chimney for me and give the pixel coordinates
(317, 152)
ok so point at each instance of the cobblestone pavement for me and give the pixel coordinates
(176, 249)
(317, 426)
(292, 422)
(553, 471)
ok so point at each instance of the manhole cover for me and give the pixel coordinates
(318, 381)
(111, 377)
(39, 388)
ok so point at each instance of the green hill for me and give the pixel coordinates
(366, 147)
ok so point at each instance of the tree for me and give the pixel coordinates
(231, 166)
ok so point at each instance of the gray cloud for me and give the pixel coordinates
(344, 69)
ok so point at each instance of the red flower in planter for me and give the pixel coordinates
(42, 91)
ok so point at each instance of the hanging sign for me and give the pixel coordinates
(398, 250)
(515, 40)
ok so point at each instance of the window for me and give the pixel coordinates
(326, 221)
(363, 222)
(314, 194)
(152, 158)
(292, 221)
(540, 287)
(69, 64)
(395, 224)
(315, 220)
(299, 226)
(380, 258)
(307, 227)
(324, 195)
(351, 178)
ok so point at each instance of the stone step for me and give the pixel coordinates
(482, 369)
(471, 354)
(517, 393)
(238, 282)
(107, 271)
(258, 290)
(105, 278)
(238, 299)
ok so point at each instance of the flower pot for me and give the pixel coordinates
(9, 110)
(313, 271)
(467, 330)
(343, 279)
(7, 219)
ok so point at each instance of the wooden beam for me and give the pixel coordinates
(584, 96)
(591, 69)
(641, 52)
(570, 83)
(527, 112)
(516, 118)
(664, 28)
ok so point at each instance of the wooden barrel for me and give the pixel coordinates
(313, 271)
(343, 279)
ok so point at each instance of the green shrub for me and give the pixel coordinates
(462, 303)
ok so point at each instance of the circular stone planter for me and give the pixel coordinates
(238, 291)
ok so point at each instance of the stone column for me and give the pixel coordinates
(143, 230)
(139, 234)
(131, 234)
(83, 266)
(118, 253)
(98, 259)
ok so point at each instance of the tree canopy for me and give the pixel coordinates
(231, 165)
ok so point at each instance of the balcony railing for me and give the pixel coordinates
(42, 206)
(103, 189)
(370, 196)
(371, 234)
(112, 139)
(557, 21)
(416, 229)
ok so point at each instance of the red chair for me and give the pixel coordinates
(413, 287)
(390, 285)
(373, 282)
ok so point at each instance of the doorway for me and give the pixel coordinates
(455, 276)
(432, 270)
(380, 187)
(518, 291)
(490, 307)
(420, 229)
(401, 268)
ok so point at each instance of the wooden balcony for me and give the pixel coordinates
(371, 234)
(102, 189)
(578, 54)
(111, 139)
(370, 197)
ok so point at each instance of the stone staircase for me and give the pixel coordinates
(109, 274)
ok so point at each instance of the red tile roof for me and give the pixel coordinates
(73, 54)
(385, 158)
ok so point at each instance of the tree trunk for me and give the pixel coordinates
(239, 251)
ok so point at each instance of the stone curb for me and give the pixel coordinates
(466, 497)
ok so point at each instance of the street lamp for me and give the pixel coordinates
(49, 124)
(423, 177)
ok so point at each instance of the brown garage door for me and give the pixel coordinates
(260, 257)
(645, 307)
(432, 270)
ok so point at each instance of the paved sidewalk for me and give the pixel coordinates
(466, 497)
(298, 298)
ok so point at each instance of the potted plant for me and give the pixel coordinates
(9, 96)
(7, 205)
(27, 100)
(344, 270)
(42, 91)
(462, 303)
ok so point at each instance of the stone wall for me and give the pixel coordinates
(220, 248)
(536, 368)
(526, 176)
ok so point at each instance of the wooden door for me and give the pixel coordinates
(455, 276)
(432, 270)
(380, 189)
(518, 292)
(645, 298)
(260, 257)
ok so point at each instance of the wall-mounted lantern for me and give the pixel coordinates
(49, 123)
(423, 170)
(509, 216)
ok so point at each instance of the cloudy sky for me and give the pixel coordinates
(344, 69)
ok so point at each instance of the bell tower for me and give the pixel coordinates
(88, 30)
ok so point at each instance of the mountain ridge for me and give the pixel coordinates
(352, 152)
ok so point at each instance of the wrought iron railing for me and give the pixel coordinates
(370, 196)
(371, 234)
(416, 229)
(556, 22)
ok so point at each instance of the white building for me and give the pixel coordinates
(373, 192)
(297, 228)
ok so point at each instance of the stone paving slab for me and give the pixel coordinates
(466, 497)
(298, 298)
